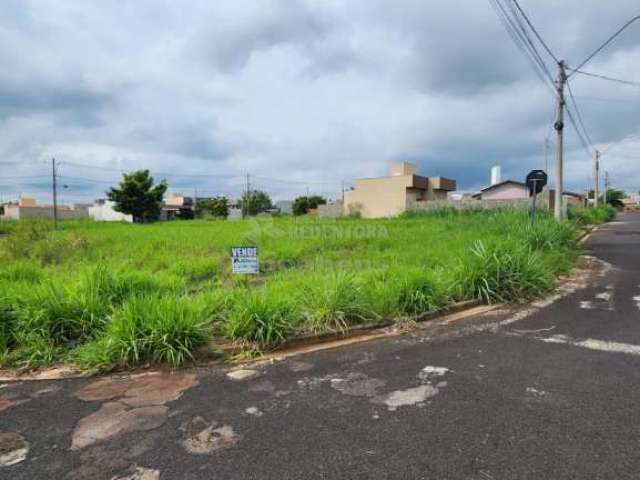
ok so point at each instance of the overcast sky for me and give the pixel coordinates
(299, 93)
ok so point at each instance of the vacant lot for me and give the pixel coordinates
(106, 295)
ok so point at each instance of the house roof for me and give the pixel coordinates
(522, 184)
(496, 185)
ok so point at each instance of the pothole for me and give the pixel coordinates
(204, 438)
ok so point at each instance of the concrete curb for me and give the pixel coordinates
(291, 346)
(355, 331)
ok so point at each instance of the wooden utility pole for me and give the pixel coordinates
(559, 126)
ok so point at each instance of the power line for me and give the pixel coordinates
(538, 58)
(583, 141)
(605, 77)
(579, 115)
(542, 42)
(522, 44)
(607, 42)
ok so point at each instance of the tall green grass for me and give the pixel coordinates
(150, 328)
(110, 295)
(591, 215)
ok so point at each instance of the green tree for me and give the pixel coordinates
(136, 195)
(614, 197)
(302, 205)
(216, 207)
(254, 202)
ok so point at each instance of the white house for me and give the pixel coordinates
(102, 211)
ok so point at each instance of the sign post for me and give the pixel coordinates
(245, 260)
(536, 181)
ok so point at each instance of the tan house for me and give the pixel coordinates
(27, 209)
(513, 190)
(389, 196)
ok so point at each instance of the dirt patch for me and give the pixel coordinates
(115, 419)
(204, 438)
(140, 407)
(6, 403)
(139, 390)
(358, 385)
(13, 448)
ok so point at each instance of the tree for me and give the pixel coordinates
(302, 205)
(216, 207)
(254, 202)
(136, 195)
(614, 197)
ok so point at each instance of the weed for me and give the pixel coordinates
(497, 273)
(335, 302)
(261, 318)
(148, 329)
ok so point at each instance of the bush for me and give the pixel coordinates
(261, 318)
(334, 302)
(420, 293)
(502, 273)
(148, 328)
(551, 235)
(591, 215)
(8, 323)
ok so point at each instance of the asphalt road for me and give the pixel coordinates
(551, 391)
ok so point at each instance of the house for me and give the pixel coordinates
(332, 209)
(102, 211)
(389, 196)
(285, 206)
(28, 208)
(507, 190)
(178, 206)
(514, 190)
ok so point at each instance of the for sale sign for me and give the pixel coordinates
(245, 260)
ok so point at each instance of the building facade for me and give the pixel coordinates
(390, 196)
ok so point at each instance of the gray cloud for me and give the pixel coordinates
(309, 92)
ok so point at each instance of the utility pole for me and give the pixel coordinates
(55, 194)
(559, 126)
(596, 176)
(606, 187)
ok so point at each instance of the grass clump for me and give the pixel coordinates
(498, 273)
(165, 330)
(591, 215)
(335, 302)
(262, 318)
